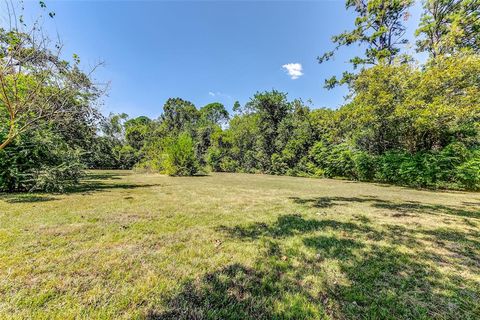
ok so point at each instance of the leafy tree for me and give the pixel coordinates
(296, 134)
(179, 115)
(39, 160)
(111, 149)
(379, 27)
(370, 121)
(272, 108)
(212, 117)
(47, 110)
(243, 132)
(236, 106)
(444, 104)
(179, 156)
(137, 131)
(214, 113)
(219, 156)
(448, 26)
(36, 84)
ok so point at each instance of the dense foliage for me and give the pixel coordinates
(404, 123)
(40, 160)
(47, 111)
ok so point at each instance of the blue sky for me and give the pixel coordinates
(204, 51)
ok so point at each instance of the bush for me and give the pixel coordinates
(419, 170)
(339, 162)
(278, 165)
(468, 173)
(318, 154)
(365, 166)
(305, 168)
(39, 162)
(449, 159)
(332, 161)
(214, 158)
(388, 167)
(229, 165)
(126, 156)
(453, 167)
(61, 177)
(179, 156)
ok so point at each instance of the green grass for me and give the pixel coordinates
(238, 246)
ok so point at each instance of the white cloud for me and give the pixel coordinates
(294, 70)
(220, 95)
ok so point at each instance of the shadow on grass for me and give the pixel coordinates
(92, 182)
(290, 225)
(240, 292)
(233, 292)
(419, 208)
(93, 175)
(25, 198)
(471, 204)
(89, 186)
(196, 175)
(398, 209)
(342, 275)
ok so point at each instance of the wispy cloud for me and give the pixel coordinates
(294, 70)
(219, 95)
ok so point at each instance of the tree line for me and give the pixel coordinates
(405, 122)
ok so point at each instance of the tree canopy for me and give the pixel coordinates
(405, 122)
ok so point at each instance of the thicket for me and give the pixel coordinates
(404, 123)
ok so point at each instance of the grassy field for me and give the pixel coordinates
(238, 246)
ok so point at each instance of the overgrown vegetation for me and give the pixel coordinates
(408, 125)
(404, 123)
(47, 110)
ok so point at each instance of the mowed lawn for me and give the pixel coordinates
(239, 246)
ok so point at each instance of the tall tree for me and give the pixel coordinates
(448, 26)
(379, 26)
(137, 131)
(272, 108)
(214, 113)
(36, 84)
(179, 115)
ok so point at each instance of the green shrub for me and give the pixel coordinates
(365, 166)
(389, 167)
(339, 162)
(453, 167)
(468, 173)
(61, 177)
(449, 159)
(278, 165)
(318, 154)
(419, 170)
(214, 158)
(332, 161)
(39, 162)
(179, 156)
(249, 162)
(228, 164)
(305, 168)
(126, 156)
